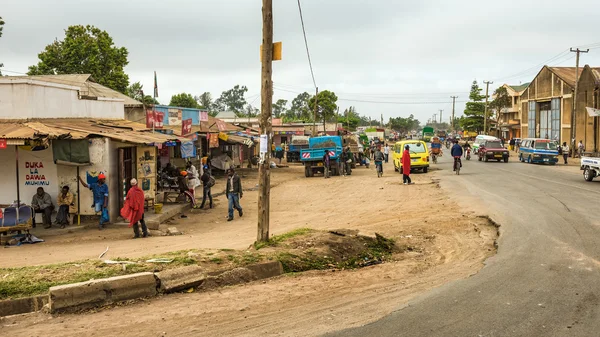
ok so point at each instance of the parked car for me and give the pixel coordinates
(538, 150)
(492, 150)
(419, 155)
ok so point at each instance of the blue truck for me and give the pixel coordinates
(312, 158)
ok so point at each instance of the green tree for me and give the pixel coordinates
(300, 111)
(326, 106)
(85, 50)
(474, 110)
(502, 100)
(250, 111)
(350, 119)
(1, 27)
(232, 100)
(279, 108)
(205, 101)
(135, 91)
(184, 100)
(404, 124)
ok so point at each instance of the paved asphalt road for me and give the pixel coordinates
(545, 279)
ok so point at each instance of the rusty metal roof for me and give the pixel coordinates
(205, 127)
(566, 74)
(121, 130)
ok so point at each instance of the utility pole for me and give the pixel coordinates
(315, 113)
(264, 172)
(453, 103)
(574, 112)
(434, 120)
(485, 114)
(441, 115)
(381, 124)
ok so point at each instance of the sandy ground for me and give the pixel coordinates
(452, 245)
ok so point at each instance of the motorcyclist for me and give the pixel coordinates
(456, 152)
(465, 147)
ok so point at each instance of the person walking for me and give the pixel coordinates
(379, 158)
(42, 203)
(100, 192)
(565, 151)
(326, 162)
(349, 158)
(580, 148)
(207, 183)
(64, 201)
(192, 178)
(511, 144)
(133, 210)
(234, 193)
(406, 166)
(386, 152)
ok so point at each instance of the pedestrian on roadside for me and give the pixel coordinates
(234, 193)
(511, 144)
(326, 162)
(349, 158)
(133, 209)
(207, 183)
(580, 148)
(64, 202)
(100, 192)
(406, 166)
(192, 177)
(386, 152)
(565, 151)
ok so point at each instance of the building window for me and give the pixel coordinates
(531, 120)
(555, 108)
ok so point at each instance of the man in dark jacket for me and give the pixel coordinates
(326, 162)
(206, 186)
(234, 193)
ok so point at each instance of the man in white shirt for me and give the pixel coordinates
(386, 152)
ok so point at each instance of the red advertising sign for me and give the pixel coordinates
(186, 127)
(3, 143)
(221, 125)
(154, 119)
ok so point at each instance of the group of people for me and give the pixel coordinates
(42, 203)
(564, 150)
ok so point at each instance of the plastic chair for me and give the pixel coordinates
(25, 215)
(10, 217)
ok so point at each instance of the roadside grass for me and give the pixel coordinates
(332, 252)
(277, 239)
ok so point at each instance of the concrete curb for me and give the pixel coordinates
(96, 293)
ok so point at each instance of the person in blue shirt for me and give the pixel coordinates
(456, 152)
(100, 192)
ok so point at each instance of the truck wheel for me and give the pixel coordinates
(588, 174)
(311, 172)
(307, 171)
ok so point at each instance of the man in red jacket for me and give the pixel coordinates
(406, 166)
(133, 210)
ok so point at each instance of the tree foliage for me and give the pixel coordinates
(232, 100)
(279, 108)
(404, 124)
(135, 91)
(184, 100)
(250, 111)
(299, 110)
(1, 28)
(502, 100)
(326, 105)
(474, 110)
(85, 50)
(350, 119)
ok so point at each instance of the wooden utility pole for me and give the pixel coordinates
(574, 112)
(453, 104)
(485, 113)
(315, 112)
(441, 115)
(264, 172)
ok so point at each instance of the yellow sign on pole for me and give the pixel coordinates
(276, 51)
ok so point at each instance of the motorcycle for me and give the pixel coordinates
(468, 154)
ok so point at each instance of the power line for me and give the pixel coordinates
(306, 44)
(376, 95)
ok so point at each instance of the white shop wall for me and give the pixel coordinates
(36, 169)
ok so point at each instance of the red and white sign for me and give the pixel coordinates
(331, 153)
(203, 115)
(154, 119)
(186, 127)
(306, 155)
(3, 143)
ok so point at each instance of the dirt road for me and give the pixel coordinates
(453, 246)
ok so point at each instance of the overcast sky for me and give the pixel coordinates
(376, 52)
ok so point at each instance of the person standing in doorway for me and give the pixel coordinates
(134, 209)
(406, 166)
(207, 184)
(565, 151)
(386, 152)
(64, 201)
(234, 193)
(100, 192)
(42, 203)
(326, 162)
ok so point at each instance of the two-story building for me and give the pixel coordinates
(509, 119)
(587, 127)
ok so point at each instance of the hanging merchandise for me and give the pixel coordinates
(214, 140)
(188, 150)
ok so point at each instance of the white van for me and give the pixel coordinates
(480, 139)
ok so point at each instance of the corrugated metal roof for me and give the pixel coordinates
(121, 130)
(87, 86)
(205, 127)
(566, 74)
(519, 88)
